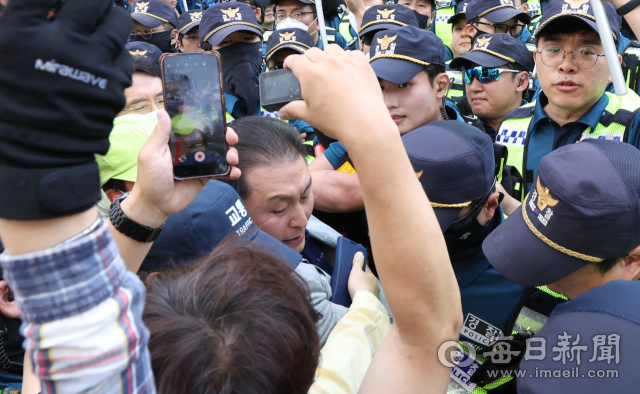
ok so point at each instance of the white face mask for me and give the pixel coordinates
(292, 23)
(153, 115)
(367, 55)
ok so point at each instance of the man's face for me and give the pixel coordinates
(412, 104)
(493, 100)
(238, 36)
(567, 86)
(279, 56)
(141, 96)
(268, 15)
(461, 41)
(490, 29)
(422, 7)
(285, 8)
(190, 41)
(281, 201)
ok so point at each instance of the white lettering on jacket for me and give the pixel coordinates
(70, 72)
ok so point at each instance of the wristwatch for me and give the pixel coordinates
(630, 6)
(128, 227)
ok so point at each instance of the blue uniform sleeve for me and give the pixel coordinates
(448, 55)
(301, 125)
(634, 131)
(334, 153)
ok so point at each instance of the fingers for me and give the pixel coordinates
(231, 136)
(160, 136)
(83, 16)
(358, 261)
(294, 110)
(114, 30)
(232, 156)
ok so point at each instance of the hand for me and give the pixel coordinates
(48, 140)
(342, 96)
(156, 194)
(509, 204)
(362, 280)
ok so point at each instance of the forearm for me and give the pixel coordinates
(82, 316)
(358, 8)
(335, 191)
(632, 18)
(411, 255)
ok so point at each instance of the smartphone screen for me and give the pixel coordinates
(194, 102)
(278, 88)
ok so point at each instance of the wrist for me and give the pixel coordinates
(141, 211)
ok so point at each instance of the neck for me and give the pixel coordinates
(563, 116)
(315, 37)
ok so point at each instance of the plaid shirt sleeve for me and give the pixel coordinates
(82, 317)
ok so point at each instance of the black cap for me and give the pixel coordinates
(455, 164)
(222, 19)
(604, 325)
(387, 16)
(216, 213)
(496, 11)
(398, 55)
(494, 50)
(583, 207)
(189, 20)
(152, 13)
(581, 9)
(297, 39)
(461, 11)
(141, 48)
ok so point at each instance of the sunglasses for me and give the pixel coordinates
(485, 74)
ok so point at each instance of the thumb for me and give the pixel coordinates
(358, 261)
(295, 110)
(160, 136)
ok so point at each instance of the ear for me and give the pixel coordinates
(620, 60)
(471, 31)
(440, 82)
(112, 194)
(150, 277)
(489, 210)
(7, 308)
(525, 8)
(523, 81)
(258, 12)
(631, 264)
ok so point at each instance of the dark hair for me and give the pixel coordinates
(606, 265)
(263, 141)
(237, 322)
(115, 184)
(433, 71)
(143, 64)
(568, 26)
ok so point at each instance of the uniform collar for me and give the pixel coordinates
(230, 102)
(590, 119)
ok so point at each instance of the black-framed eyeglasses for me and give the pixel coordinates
(146, 33)
(277, 66)
(583, 57)
(280, 16)
(473, 213)
(513, 31)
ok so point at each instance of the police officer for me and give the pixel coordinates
(424, 10)
(302, 14)
(283, 43)
(466, 203)
(189, 30)
(383, 17)
(576, 230)
(572, 105)
(154, 22)
(497, 16)
(233, 30)
(445, 9)
(460, 44)
(496, 73)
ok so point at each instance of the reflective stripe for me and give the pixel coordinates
(457, 87)
(345, 28)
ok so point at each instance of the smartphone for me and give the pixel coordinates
(194, 100)
(278, 88)
(346, 249)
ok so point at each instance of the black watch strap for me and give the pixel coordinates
(627, 8)
(128, 227)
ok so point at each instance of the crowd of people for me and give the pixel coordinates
(476, 149)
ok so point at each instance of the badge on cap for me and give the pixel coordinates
(464, 8)
(544, 201)
(386, 47)
(482, 43)
(287, 36)
(141, 7)
(138, 53)
(575, 6)
(196, 16)
(231, 14)
(386, 13)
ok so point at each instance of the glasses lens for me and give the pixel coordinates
(141, 107)
(500, 28)
(552, 55)
(585, 57)
(469, 75)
